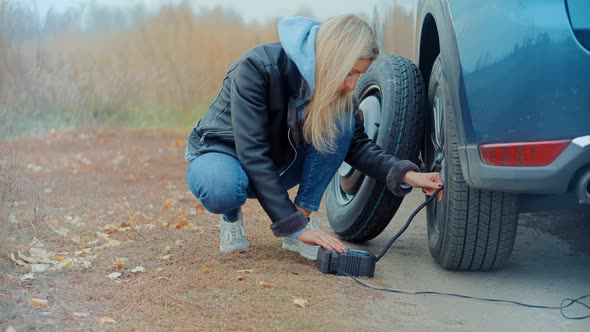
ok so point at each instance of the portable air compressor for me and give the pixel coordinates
(358, 263)
(361, 263)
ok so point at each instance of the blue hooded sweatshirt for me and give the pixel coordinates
(297, 36)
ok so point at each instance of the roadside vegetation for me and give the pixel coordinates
(95, 66)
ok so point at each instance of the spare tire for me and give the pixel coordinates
(391, 96)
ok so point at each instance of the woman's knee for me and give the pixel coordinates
(218, 181)
(220, 199)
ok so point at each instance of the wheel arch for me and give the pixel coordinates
(437, 37)
(429, 47)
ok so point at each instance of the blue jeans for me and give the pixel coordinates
(222, 186)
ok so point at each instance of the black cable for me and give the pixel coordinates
(561, 306)
(401, 231)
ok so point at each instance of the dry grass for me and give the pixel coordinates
(162, 72)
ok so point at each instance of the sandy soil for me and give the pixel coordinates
(115, 201)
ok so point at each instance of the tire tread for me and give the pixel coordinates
(480, 229)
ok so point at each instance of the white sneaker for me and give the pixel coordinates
(233, 235)
(305, 250)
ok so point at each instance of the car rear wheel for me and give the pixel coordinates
(469, 229)
(392, 104)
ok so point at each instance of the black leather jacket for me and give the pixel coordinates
(248, 120)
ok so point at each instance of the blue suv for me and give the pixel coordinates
(495, 95)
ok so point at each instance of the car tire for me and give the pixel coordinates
(470, 229)
(358, 207)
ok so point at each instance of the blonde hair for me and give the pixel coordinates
(340, 42)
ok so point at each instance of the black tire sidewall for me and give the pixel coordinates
(369, 212)
(343, 217)
(472, 237)
(437, 81)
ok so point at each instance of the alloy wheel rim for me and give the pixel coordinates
(437, 163)
(349, 180)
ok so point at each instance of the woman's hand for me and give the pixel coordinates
(319, 238)
(429, 182)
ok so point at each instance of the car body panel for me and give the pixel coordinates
(516, 73)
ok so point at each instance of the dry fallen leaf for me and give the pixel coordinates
(301, 302)
(110, 229)
(67, 265)
(84, 251)
(40, 268)
(159, 269)
(25, 258)
(106, 319)
(114, 275)
(80, 314)
(34, 168)
(39, 303)
(242, 278)
(17, 261)
(265, 284)
(59, 257)
(61, 231)
(138, 269)
(88, 262)
(181, 224)
(245, 271)
(132, 178)
(117, 265)
(206, 269)
(103, 236)
(27, 277)
(165, 257)
(193, 227)
(113, 243)
(129, 223)
(199, 207)
(40, 256)
(178, 143)
(166, 206)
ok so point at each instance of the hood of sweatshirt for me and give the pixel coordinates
(297, 36)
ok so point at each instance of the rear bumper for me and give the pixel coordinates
(563, 175)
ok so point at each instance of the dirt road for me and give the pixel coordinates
(551, 261)
(104, 236)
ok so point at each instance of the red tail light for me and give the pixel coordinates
(522, 154)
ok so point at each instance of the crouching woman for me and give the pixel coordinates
(286, 116)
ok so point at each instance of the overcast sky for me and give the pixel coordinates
(260, 10)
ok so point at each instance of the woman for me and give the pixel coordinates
(285, 116)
